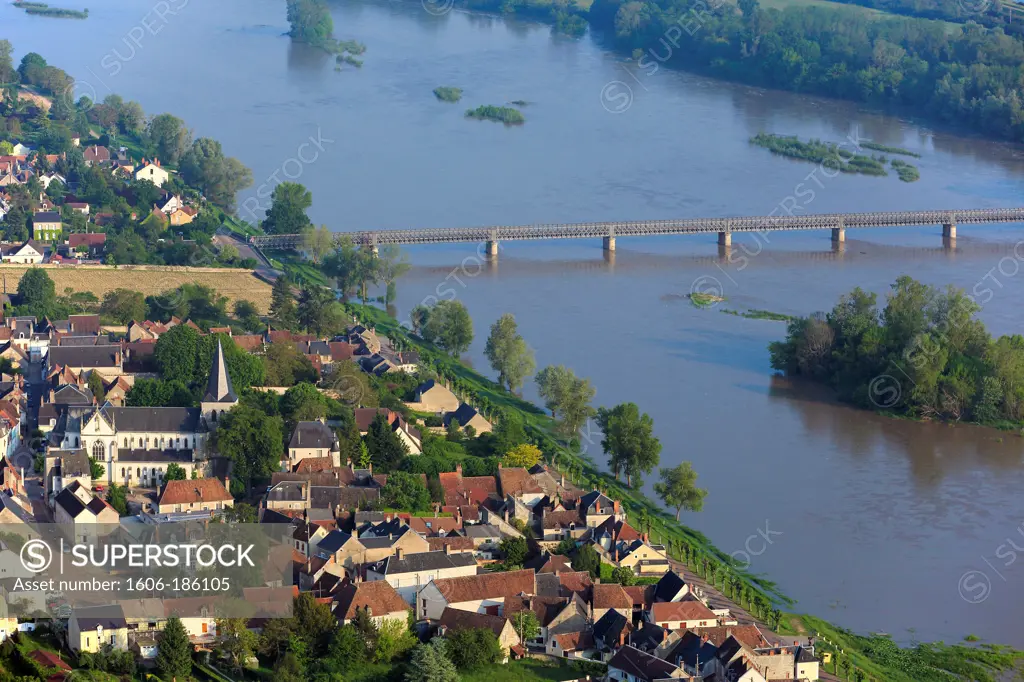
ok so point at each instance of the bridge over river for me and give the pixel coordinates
(838, 223)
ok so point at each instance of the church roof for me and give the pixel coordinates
(219, 389)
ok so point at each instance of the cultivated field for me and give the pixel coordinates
(99, 279)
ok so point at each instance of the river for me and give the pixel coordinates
(877, 524)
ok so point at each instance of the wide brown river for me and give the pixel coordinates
(877, 524)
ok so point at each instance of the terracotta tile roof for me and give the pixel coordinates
(248, 342)
(48, 659)
(486, 586)
(611, 596)
(198, 490)
(642, 595)
(517, 481)
(545, 608)
(664, 612)
(747, 635)
(312, 464)
(456, 543)
(437, 524)
(556, 564)
(378, 595)
(563, 519)
(341, 351)
(87, 239)
(578, 582)
(575, 641)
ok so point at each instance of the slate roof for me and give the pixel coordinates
(46, 217)
(312, 435)
(74, 463)
(689, 648)
(156, 419)
(610, 628)
(86, 356)
(423, 561)
(641, 666)
(668, 587)
(69, 394)
(595, 499)
(334, 541)
(219, 388)
(110, 617)
(142, 455)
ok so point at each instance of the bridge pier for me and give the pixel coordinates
(838, 235)
(725, 238)
(725, 252)
(949, 231)
(492, 249)
(608, 243)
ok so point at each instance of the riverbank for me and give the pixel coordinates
(875, 655)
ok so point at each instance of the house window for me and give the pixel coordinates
(122, 473)
(138, 472)
(126, 442)
(213, 415)
(97, 452)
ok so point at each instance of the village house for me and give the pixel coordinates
(96, 155)
(29, 253)
(46, 226)
(312, 439)
(61, 469)
(201, 494)
(431, 396)
(94, 628)
(378, 598)
(409, 436)
(151, 170)
(409, 573)
(92, 243)
(454, 620)
(484, 593)
(632, 665)
(689, 613)
(79, 508)
(468, 416)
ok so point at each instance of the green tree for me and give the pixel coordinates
(174, 472)
(473, 648)
(284, 365)
(117, 497)
(37, 291)
(176, 354)
(169, 137)
(96, 470)
(236, 641)
(514, 550)
(391, 265)
(314, 622)
(319, 313)
(567, 396)
(587, 559)
(252, 440)
(310, 22)
(525, 455)
(629, 441)
(287, 213)
(282, 304)
(159, 393)
(318, 242)
(508, 353)
(7, 71)
(624, 575)
(678, 489)
(385, 448)
(526, 624)
(303, 402)
(248, 315)
(394, 640)
(174, 651)
(95, 384)
(347, 649)
(123, 305)
(405, 492)
(449, 327)
(430, 663)
(218, 177)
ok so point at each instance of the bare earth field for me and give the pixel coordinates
(99, 279)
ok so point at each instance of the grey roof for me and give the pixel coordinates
(482, 531)
(109, 617)
(46, 217)
(668, 587)
(70, 503)
(312, 434)
(383, 542)
(329, 497)
(156, 419)
(86, 356)
(334, 541)
(271, 516)
(143, 455)
(609, 627)
(219, 389)
(423, 561)
(587, 501)
(690, 648)
(69, 394)
(74, 463)
(319, 348)
(641, 666)
(286, 491)
(463, 415)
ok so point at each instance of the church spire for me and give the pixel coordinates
(219, 389)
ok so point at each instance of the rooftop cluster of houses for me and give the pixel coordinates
(435, 567)
(46, 244)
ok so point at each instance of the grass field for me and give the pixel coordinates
(867, 11)
(526, 670)
(233, 283)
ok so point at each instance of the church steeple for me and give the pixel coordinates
(219, 389)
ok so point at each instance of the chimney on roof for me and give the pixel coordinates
(499, 466)
(458, 469)
(562, 481)
(400, 553)
(506, 514)
(615, 506)
(447, 549)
